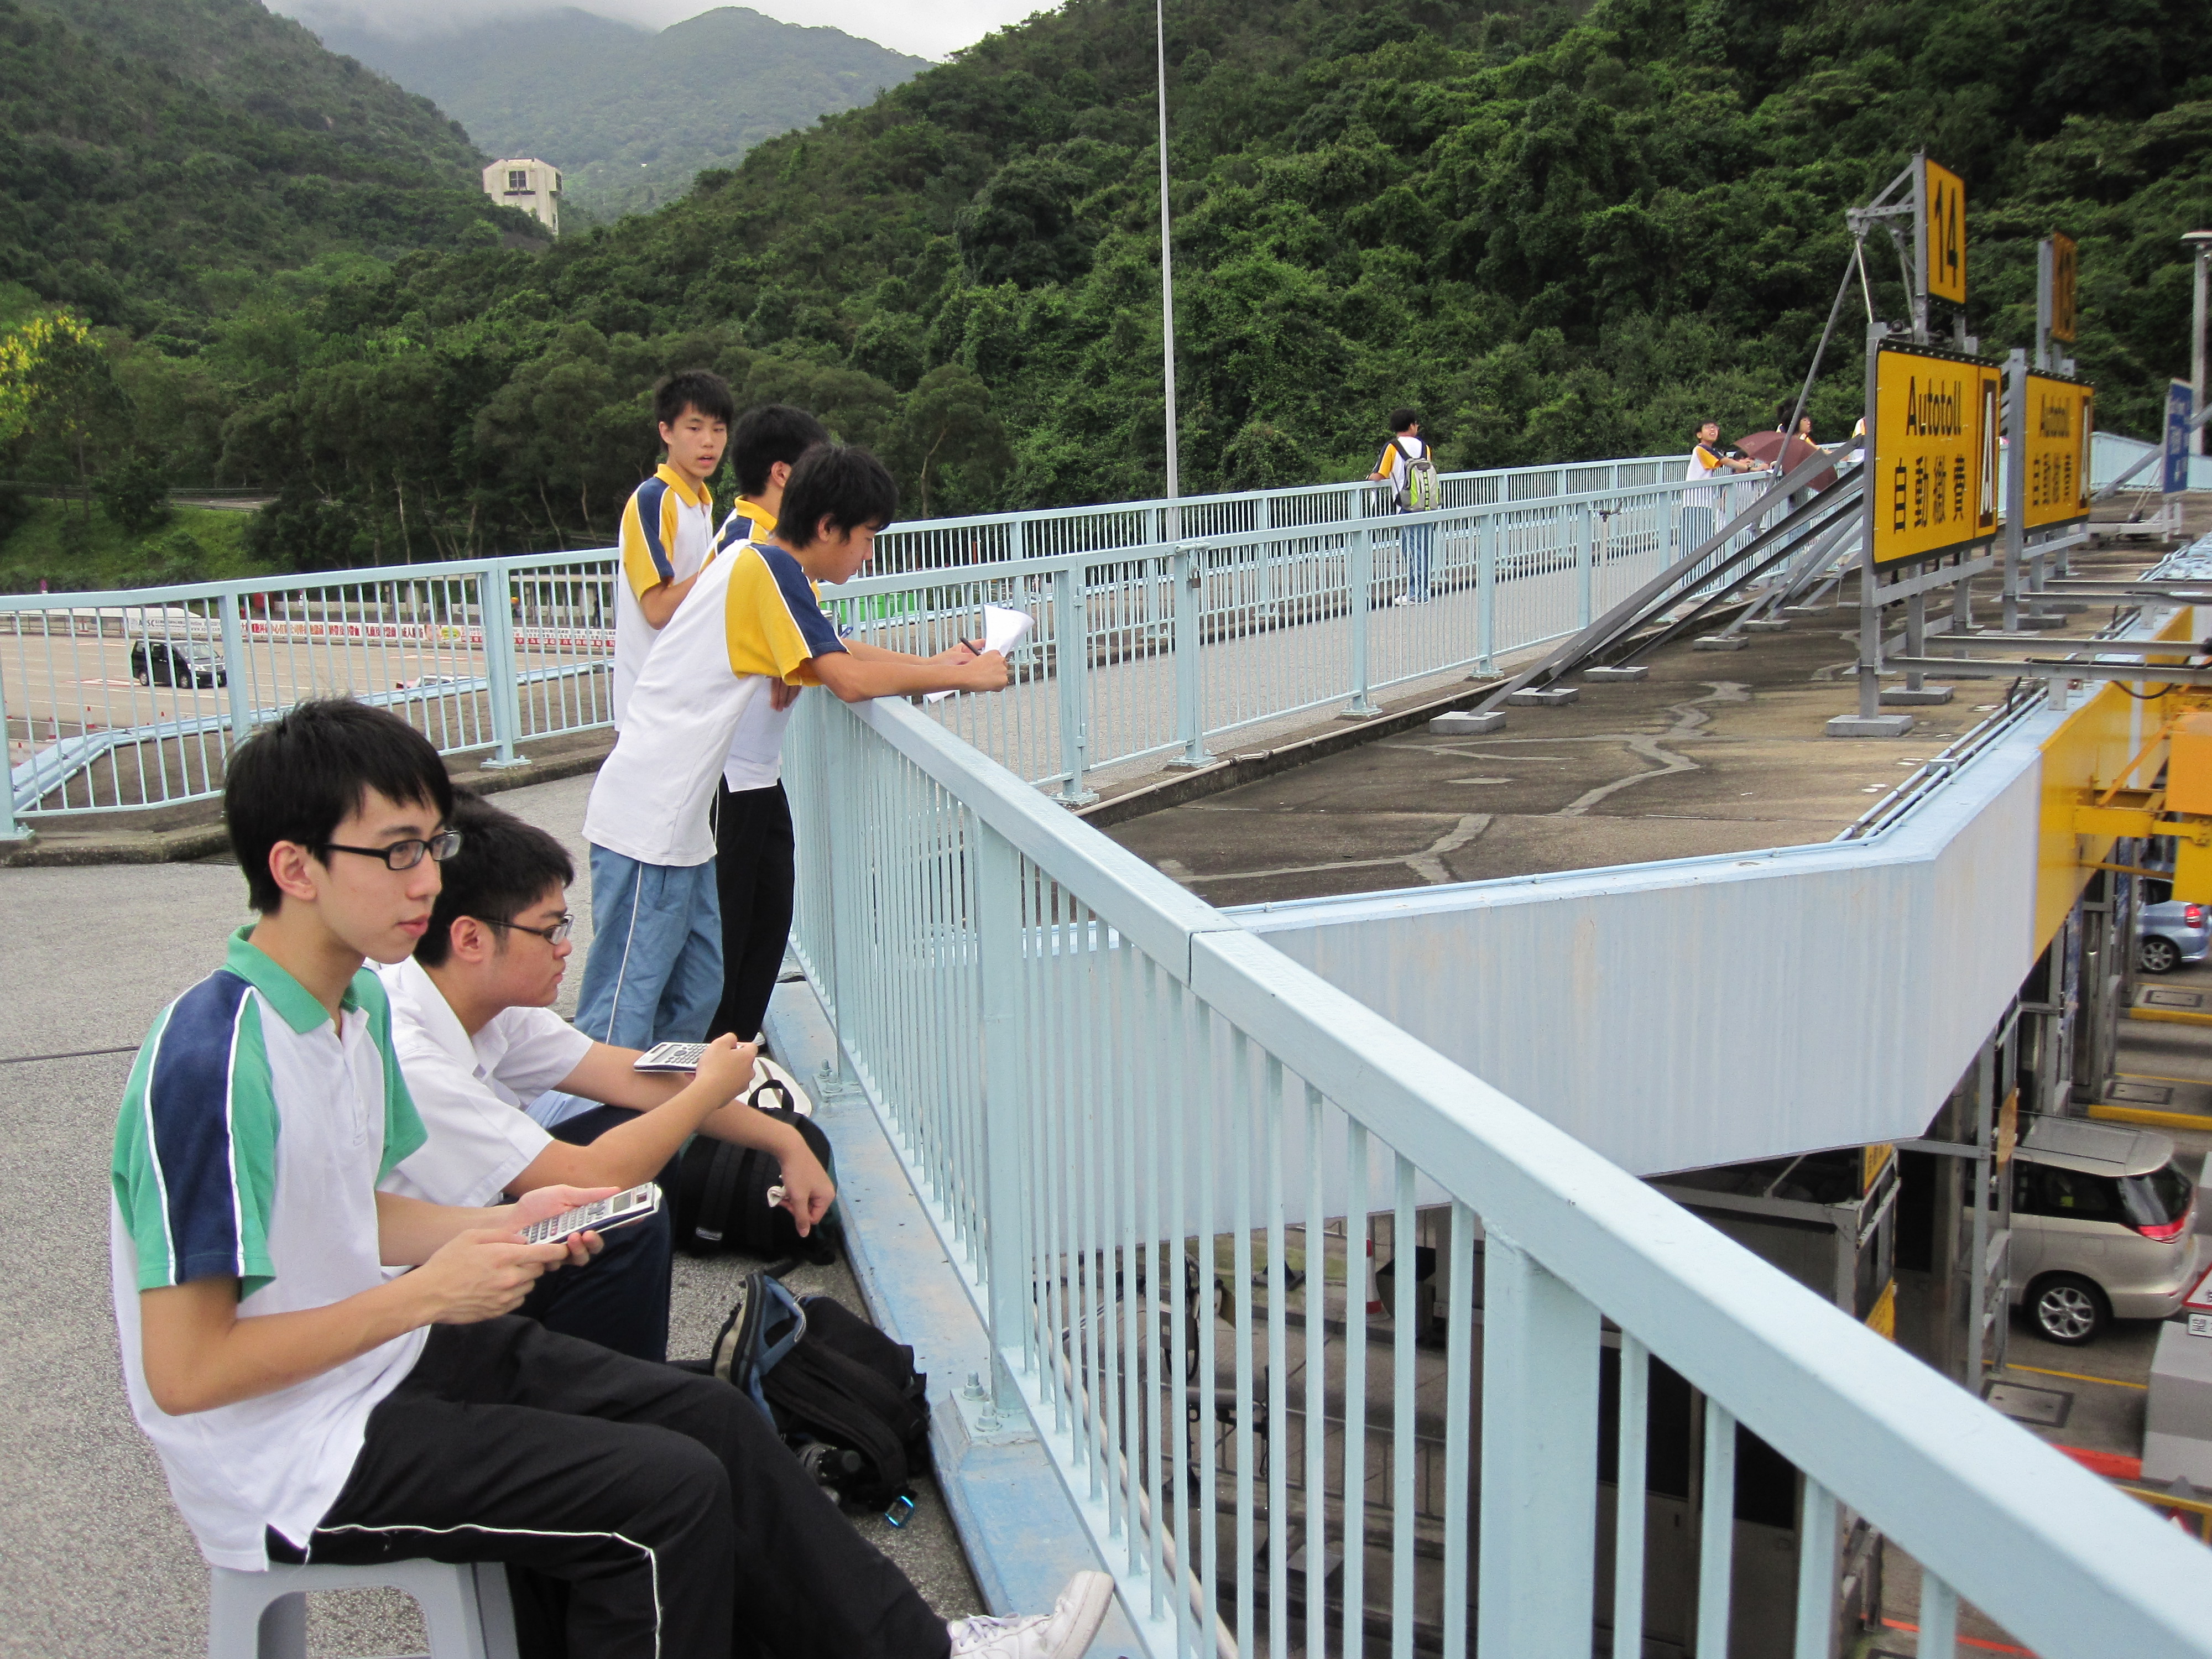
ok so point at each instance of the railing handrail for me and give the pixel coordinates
(860, 586)
(1963, 1489)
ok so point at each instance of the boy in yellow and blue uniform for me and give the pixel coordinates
(668, 523)
(753, 851)
(752, 624)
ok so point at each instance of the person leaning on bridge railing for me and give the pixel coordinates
(754, 624)
(753, 851)
(1708, 460)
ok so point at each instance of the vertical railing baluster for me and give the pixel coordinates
(1716, 1532)
(1459, 1410)
(1405, 1276)
(1315, 1235)
(1355, 1388)
(1199, 1063)
(1156, 1389)
(1939, 1618)
(1585, 552)
(1177, 1027)
(1188, 564)
(1071, 657)
(499, 665)
(1540, 1361)
(1816, 1571)
(1485, 596)
(1278, 1359)
(1005, 1105)
(1631, 1483)
(1240, 1158)
(1359, 572)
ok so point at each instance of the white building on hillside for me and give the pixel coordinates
(530, 185)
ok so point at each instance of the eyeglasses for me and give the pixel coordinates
(405, 854)
(554, 935)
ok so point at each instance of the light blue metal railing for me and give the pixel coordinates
(1148, 646)
(1163, 1158)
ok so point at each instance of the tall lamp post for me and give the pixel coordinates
(1166, 285)
(2198, 242)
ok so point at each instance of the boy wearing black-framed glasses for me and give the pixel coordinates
(473, 1024)
(309, 1405)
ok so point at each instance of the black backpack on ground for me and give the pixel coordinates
(846, 1398)
(720, 1195)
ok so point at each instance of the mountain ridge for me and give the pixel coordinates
(629, 114)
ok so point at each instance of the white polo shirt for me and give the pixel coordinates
(470, 1091)
(667, 535)
(754, 614)
(252, 1135)
(756, 756)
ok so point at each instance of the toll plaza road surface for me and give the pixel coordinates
(1713, 753)
(85, 682)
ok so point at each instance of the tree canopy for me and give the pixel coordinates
(1561, 231)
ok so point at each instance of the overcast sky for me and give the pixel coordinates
(934, 29)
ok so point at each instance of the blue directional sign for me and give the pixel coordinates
(2181, 405)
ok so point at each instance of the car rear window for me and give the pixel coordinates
(2156, 1199)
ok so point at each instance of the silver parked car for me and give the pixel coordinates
(2169, 934)
(2103, 1226)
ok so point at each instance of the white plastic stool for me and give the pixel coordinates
(264, 1615)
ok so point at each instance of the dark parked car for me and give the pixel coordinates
(174, 662)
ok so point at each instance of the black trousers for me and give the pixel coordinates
(621, 1300)
(753, 877)
(670, 1519)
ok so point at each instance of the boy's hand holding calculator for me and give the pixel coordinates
(725, 1066)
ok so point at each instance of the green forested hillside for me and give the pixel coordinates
(627, 115)
(154, 158)
(1561, 231)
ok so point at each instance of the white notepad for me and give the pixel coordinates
(1003, 630)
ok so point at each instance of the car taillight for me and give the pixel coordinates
(2166, 1232)
(2192, 915)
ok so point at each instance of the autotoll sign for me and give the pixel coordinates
(2054, 450)
(1942, 234)
(1933, 465)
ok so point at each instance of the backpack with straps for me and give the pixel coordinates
(1424, 488)
(846, 1398)
(720, 1194)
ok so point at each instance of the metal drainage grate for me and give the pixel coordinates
(2044, 1407)
(2162, 997)
(2140, 1094)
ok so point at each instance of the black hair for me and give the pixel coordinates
(841, 483)
(767, 433)
(1697, 426)
(693, 388)
(300, 778)
(503, 868)
(1403, 419)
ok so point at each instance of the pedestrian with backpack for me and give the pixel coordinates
(1408, 465)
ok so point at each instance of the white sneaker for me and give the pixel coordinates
(1403, 599)
(1063, 1633)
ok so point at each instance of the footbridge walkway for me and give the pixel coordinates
(1146, 1148)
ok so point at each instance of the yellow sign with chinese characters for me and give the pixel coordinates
(2054, 450)
(1943, 233)
(1932, 467)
